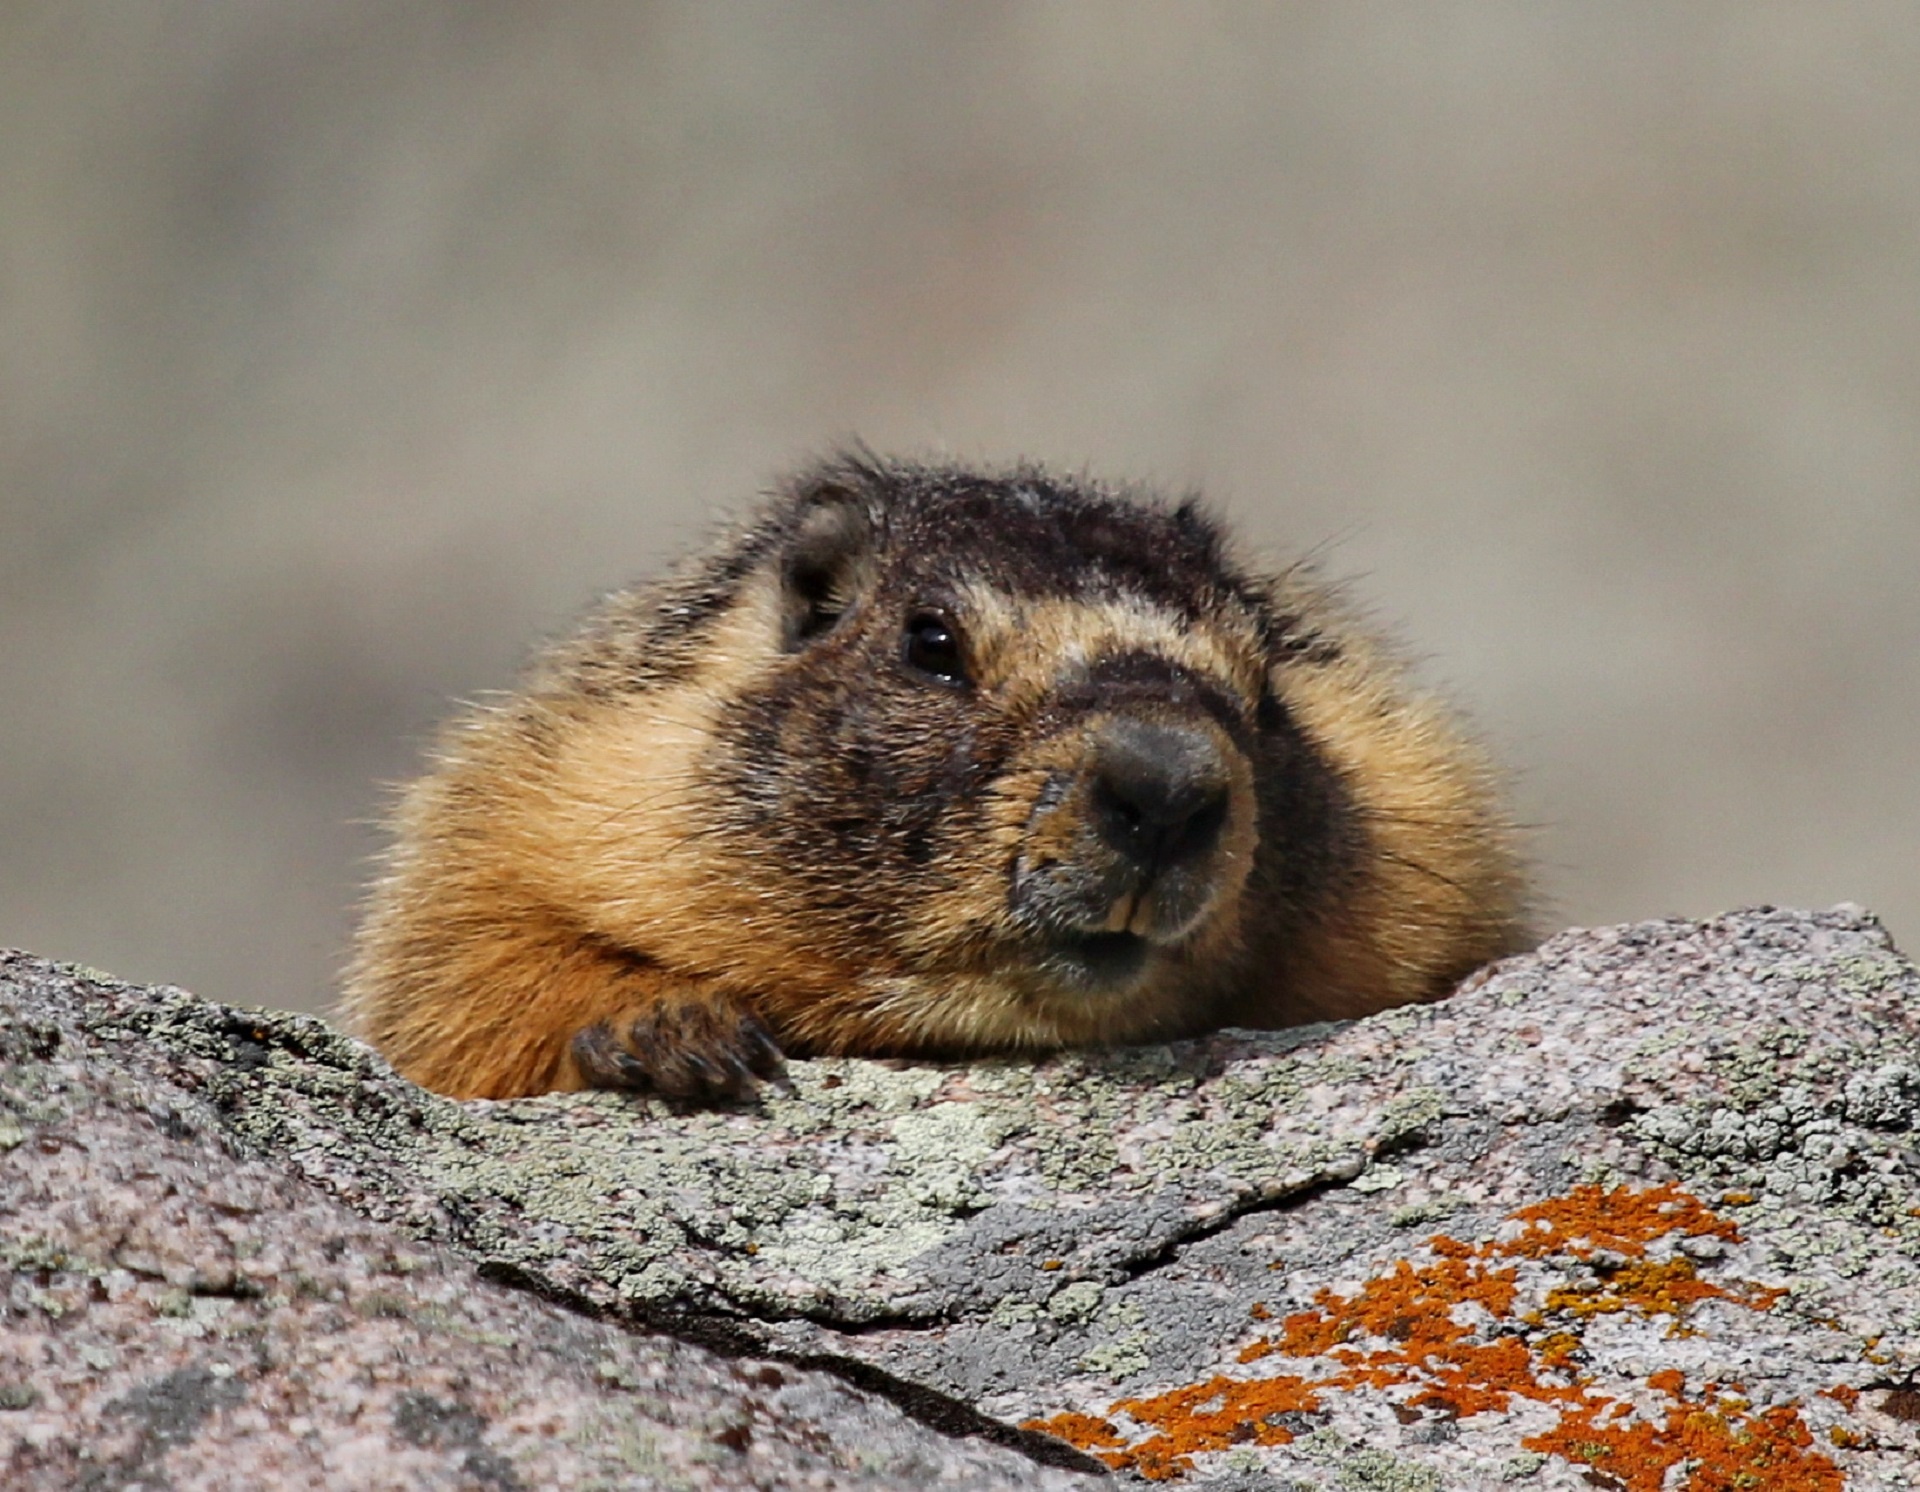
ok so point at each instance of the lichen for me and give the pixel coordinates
(1216, 1415)
(1462, 1329)
(1120, 1358)
(1379, 1471)
(939, 1152)
(1866, 974)
(1797, 1148)
(1418, 1214)
(1076, 1302)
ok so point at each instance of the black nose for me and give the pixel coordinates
(1159, 791)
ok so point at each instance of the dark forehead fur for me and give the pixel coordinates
(1020, 529)
(1030, 532)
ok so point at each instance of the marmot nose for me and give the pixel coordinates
(1159, 791)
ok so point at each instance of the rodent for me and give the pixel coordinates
(921, 759)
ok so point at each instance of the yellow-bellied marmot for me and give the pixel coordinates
(922, 759)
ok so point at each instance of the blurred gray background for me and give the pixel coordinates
(346, 347)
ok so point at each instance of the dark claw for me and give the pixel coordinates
(738, 1078)
(603, 1062)
(706, 1080)
(631, 1070)
(763, 1053)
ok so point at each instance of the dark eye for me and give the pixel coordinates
(933, 647)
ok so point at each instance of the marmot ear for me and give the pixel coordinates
(828, 562)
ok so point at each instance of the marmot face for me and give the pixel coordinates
(1009, 743)
(929, 760)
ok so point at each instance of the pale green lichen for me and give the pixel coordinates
(1649, 1054)
(32, 1252)
(1010, 1311)
(1366, 1469)
(1378, 1179)
(1402, 1024)
(1865, 974)
(829, 1092)
(1884, 1097)
(1122, 1313)
(1075, 1303)
(939, 1152)
(1593, 1170)
(846, 1251)
(1408, 1115)
(1325, 1446)
(1419, 1214)
(1784, 1141)
(1120, 1358)
(175, 1303)
(1378, 1471)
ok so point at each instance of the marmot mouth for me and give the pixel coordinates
(1095, 961)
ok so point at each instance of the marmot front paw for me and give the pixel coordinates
(705, 1050)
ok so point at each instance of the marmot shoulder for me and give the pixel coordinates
(921, 759)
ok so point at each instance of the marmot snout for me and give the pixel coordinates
(928, 760)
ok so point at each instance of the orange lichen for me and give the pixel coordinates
(1668, 1287)
(1771, 1450)
(1212, 1416)
(1423, 1325)
(1087, 1431)
(1410, 1306)
(1415, 1311)
(1619, 1220)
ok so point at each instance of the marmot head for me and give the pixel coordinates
(1014, 739)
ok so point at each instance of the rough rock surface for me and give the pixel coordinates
(177, 1316)
(1636, 1211)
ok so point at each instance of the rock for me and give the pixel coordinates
(1642, 1200)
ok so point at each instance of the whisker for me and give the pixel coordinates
(1428, 871)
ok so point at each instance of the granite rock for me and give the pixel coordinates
(1638, 1210)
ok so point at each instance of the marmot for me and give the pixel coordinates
(925, 760)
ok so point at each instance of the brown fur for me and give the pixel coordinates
(750, 808)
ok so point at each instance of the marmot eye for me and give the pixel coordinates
(933, 647)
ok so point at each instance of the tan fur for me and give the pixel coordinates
(1439, 892)
(567, 864)
(1028, 643)
(565, 855)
